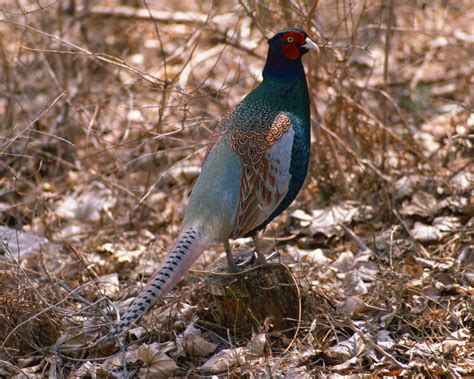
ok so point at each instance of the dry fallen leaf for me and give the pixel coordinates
(407, 185)
(256, 346)
(191, 341)
(19, 243)
(354, 283)
(454, 203)
(110, 365)
(326, 221)
(344, 262)
(109, 284)
(421, 204)
(315, 257)
(124, 255)
(435, 232)
(457, 338)
(347, 349)
(462, 181)
(157, 364)
(426, 233)
(86, 206)
(198, 346)
(384, 340)
(88, 369)
(427, 141)
(354, 305)
(224, 360)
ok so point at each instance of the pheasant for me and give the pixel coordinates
(255, 166)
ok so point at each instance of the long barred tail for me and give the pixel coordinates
(187, 248)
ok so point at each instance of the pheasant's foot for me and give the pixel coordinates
(261, 260)
(258, 249)
(273, 255)
(256, 258)
(231, 265)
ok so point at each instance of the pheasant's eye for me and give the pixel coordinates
(290, 39)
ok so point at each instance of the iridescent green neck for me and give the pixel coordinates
(278, 67)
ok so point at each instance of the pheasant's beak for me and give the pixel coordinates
(310, 45)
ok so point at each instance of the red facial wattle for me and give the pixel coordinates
(290, 49)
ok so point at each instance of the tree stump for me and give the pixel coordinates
(256, 299)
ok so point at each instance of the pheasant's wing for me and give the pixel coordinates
(265, 156)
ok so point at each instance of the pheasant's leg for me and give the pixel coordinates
(230, 259)
(258, 249)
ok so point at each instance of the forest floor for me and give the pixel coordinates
(105, 113)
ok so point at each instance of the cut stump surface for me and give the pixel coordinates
(261, 298)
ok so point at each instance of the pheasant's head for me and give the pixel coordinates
(285, 51)
(292, 42)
